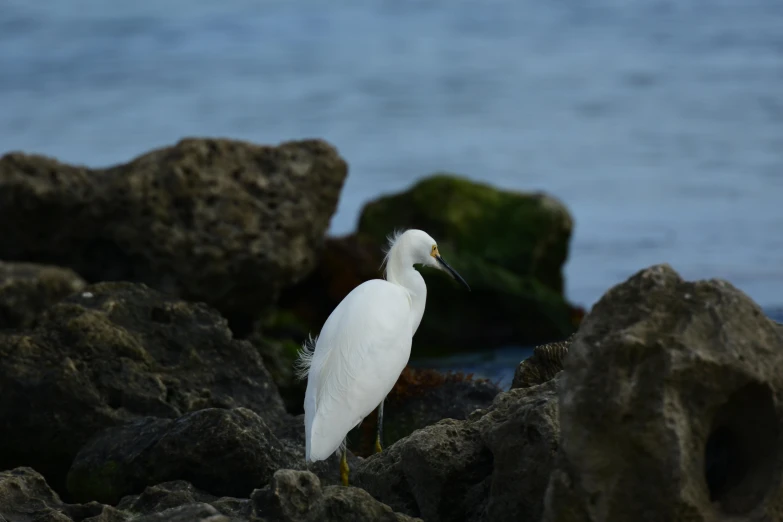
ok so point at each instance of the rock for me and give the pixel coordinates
(670, 407)
(291, 435)
(124, 460)
(279, 356)
(546, 362)
(422, 397)
(292, 496)
(168, 496)
(346, 262)
(523, 233)
(493, 466)
(111, 354)
(27, 289)
(297, 496)
(522, 433)
(187, 513)
(225, 222)
(25, 495)
(510, 247)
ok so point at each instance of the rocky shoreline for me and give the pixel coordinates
(149, 314)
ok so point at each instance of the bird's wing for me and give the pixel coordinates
(360, 352)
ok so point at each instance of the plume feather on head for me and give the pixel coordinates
(391, 239)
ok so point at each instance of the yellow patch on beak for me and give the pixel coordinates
(434, 252)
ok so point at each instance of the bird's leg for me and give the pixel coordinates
(344, 470)
(380, 429)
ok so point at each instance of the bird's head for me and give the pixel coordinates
(423, 250)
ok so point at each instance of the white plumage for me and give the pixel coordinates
(365, 344)
(353, 369)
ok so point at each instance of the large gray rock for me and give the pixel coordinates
(670, 407)
(111, 354)
(491, 467)
(27, 289)
(225, 222)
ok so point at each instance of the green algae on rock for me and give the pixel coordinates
(526, 234)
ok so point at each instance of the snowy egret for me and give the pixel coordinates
(363, 347)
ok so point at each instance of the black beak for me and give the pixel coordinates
(451, 271)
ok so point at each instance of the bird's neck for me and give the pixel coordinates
(401, 272)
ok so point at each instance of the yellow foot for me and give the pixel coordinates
(378, 448)
(344, 470)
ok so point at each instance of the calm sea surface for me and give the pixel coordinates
(659, 123)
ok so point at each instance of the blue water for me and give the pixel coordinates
(659, 123)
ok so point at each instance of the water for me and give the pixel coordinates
(659, 123)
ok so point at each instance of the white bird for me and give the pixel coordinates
(363, 347)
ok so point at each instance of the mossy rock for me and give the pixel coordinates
(509, 246)
(525, 233)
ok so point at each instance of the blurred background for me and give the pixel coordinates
(659, 123)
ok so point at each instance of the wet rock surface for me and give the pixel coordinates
(191, 219)
(670, 407)
(113, 353)
(27, 289)
(494, 466)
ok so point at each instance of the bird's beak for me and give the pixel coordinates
(451, 271)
